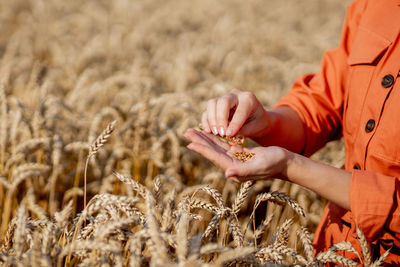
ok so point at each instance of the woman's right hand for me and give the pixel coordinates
(236, 113)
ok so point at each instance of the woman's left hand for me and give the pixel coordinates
(267, 162)
(274, 162)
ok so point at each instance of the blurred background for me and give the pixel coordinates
(68, 68)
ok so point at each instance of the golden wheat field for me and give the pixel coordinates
(102, 91)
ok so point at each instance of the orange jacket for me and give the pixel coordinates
(357, 95)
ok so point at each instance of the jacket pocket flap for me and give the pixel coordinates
(367, 47)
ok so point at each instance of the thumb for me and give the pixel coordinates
(236, 172)
(231, 172)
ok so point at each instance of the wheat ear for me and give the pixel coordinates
(380, 261)
(305, 239)
(94, 148)
(364, 248)
(330, 256)
(241, 196)
(345, 246)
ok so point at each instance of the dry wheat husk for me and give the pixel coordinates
(69, 67)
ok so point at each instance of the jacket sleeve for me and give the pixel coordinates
(374, 203)
(318, 98)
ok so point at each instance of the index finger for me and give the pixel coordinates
(243, 111)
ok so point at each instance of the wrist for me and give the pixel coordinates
(288, 164)
(283, 128)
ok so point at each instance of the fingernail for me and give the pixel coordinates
(222, 131)
(215, 131)
(229, 132)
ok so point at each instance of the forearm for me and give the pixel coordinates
(327, 181)
(284, 128)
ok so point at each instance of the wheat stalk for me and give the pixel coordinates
(56, 170)
(160, 252)
(306, 241)
(139, 188)
(364, 248)
(233, 254)
(182, 233)
(20, 231)
(32, 145)
(282, 234)
(261, 228)
(201, 204)
(279, 198)
(94, 148)
(55, 92)
(381, 260)
(236, 231)
(135, 250)
(330, 256)
(215, 194)
(3, 125)
(241, 196)
(157, 187)
(167, 216)
(213, 224)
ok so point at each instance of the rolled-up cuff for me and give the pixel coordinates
(371, 201)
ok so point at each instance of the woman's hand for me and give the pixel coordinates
(268, 162)
(235, 113)
(274, 162)
(240, 113)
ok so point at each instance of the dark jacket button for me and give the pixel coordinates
(356, 166)
(387, 81)
(370, 126)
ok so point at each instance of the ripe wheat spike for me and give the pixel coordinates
(102, 139)
(69, 68)
(94, 148)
